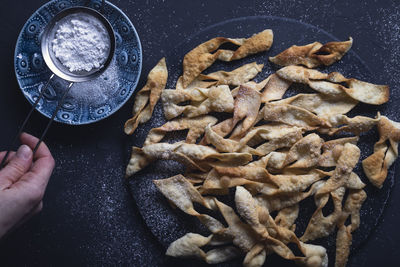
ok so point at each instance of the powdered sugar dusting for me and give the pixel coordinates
(98, 198)
(98, 90)
(81, 42)
(390, 39)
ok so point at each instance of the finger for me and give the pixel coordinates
(43, 164)
(31, 141)
(2, 154)
(16, 168)
(39, 175)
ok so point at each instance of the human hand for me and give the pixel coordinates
(23, 182)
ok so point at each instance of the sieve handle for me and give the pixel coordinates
(4, 160)
(60, 103)
(14, 142)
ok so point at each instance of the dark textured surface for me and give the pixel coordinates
(89, 217)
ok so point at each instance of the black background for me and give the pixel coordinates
(89, 218)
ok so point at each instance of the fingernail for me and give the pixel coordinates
(24, 152)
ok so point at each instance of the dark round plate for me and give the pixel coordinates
(90, 101)
(168, 224)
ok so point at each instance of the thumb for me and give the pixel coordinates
(18, 166)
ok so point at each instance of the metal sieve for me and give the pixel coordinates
(54, 64)
(60, 70)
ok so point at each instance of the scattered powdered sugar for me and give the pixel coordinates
(95, 201)
(98, 90)
(81, 42)
(390, 35)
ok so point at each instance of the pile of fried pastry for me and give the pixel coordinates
(269, 151)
